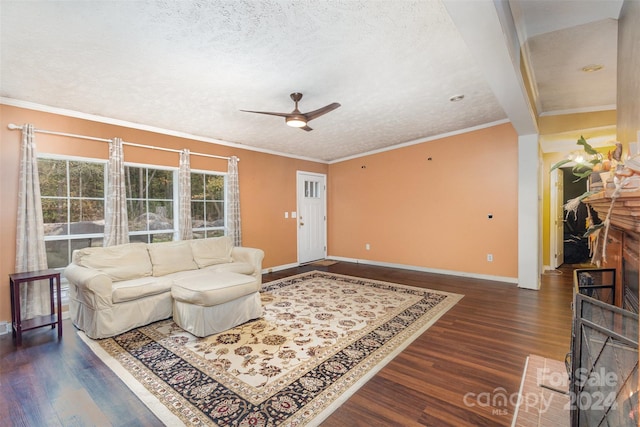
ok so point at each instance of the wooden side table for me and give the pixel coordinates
(53, 319)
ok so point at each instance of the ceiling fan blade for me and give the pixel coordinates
(320, 111)
(268, 113)
(307, 128)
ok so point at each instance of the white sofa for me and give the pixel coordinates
(118, 288)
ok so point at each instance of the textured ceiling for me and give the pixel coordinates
(191, 66)
(560, 38)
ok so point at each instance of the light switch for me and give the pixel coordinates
(286, 214)
(294, 215)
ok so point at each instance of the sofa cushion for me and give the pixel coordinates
(233, 267)
(169, 257)
(212, 289)
(211, 251)
(120, 262)
(129, 290)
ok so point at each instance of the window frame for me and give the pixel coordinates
(175, 201)
(225, 180)
(68, 236)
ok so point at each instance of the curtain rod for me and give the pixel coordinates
(12, 126)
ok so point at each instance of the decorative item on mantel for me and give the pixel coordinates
(592, 161)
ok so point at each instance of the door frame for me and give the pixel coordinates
(555, 246)
(299, 173)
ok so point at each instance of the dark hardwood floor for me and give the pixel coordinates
(447, 377)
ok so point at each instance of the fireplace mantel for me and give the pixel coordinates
(625, 214)
(623, 242)
(605, 336)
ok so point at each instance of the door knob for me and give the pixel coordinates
(301, 224)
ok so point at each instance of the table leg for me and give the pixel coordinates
(59, 293)
(13, 309)
(51, 296)
(16, 305)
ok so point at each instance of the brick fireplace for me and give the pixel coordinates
(622, 244)
(603, 368)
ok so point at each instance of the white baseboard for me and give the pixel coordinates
(512, 280)
(279, 268)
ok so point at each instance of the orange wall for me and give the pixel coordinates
(411, 210)
(267, 182)
(431, 213)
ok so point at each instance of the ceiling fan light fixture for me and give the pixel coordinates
(296, 122)
(296, 119)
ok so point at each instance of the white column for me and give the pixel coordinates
(529, 213)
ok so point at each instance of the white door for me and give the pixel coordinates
(556, 218)
(312, 219)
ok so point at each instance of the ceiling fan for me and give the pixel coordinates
(297, 119)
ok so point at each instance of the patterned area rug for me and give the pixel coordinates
(322, 336)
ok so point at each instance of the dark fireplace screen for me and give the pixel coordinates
(604, 365)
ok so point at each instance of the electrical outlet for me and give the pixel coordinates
(490, 257)
(367, 246)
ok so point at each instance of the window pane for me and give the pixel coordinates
(54, 214)
(57, 253)
(197, 186)
(160, 184)
(162, 237)
(135, 182)
(88, 223)
(86, 243)
(53, 177)
(215, 233)
(142, 238)
(87, 215)
(207, 205)
(86, 179)
(215, 187)
(160, 215)
(150, 201)
(197, 214)
(215, 214)
(136, 212)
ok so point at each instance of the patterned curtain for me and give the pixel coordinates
(184, 188)
(31, 254)
(233, 198)
(116, 222)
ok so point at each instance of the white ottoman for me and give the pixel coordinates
(214, 302)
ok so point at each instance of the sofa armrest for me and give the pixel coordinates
(252, 256)
(95, 284)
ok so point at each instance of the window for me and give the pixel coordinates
(311, 190)
(150, 204)
(72, 194)
(207, 205)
